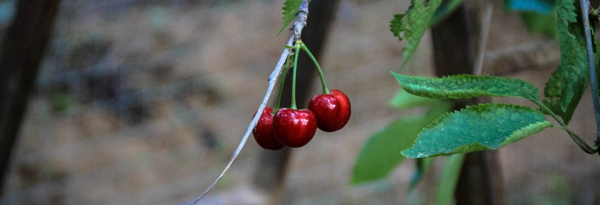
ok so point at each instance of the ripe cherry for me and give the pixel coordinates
(332, 110)
(263, 132)
(294, 128)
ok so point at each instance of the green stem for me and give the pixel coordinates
(278, 102)
(325, 89)
(582, 144)
(297, 49)
(549, 112)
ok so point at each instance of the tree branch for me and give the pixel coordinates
(298, 26)
(590, 56)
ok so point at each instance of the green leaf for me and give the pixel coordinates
(414, 22)
(438, 109)
(290, 8)
(540, 23)
(467, 86)
(381, 153)
(476, 128)
(569, 81)
(404, 100)
(450, 175)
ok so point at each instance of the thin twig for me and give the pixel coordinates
(298, 26)
(483, 35)
(590, 56)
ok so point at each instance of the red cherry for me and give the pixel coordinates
(294, 128)
(263, 132)
(332, 110)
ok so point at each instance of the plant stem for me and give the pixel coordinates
(590, 56)
(549, 112)
(325, 89)
(297, 50)
(584, 146)
(278, 102)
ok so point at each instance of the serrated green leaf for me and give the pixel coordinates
(450, 175)
(540, 23)
(568, 82)
(439, 108)
(404, 100)
(290, 8)
(467, 86)
(381, 153)
(414, 22)
(476, 128)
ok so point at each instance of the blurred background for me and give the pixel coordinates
(144, 102)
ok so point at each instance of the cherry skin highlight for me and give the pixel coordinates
(263, 132)
(332, 110)
(294, 128)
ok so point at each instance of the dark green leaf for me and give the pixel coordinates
(437, 109)
(540, 23)
(381, 154)
(476, 128)
(422, 165)
(290, 8)
(404, 100)
(450, 175)
(540, 6)
(414, 22)
(568, 82)
(467, 86)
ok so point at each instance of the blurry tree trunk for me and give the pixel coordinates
(22, 51)
(270, 173)
(478, 183)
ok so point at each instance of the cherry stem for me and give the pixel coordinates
(278, 102)
(325, 89)
(297, 49)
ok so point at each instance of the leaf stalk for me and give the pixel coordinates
(582, 144)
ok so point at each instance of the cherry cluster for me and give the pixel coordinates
(294, 127)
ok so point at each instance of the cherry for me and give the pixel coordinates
(263, 132)
(294, 128)
(332, 110)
